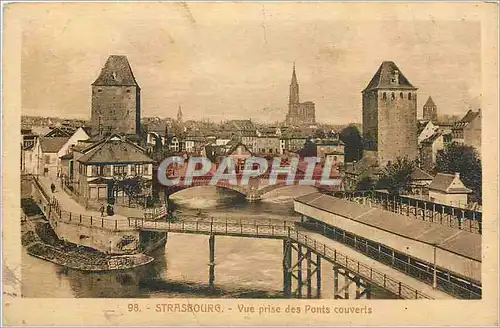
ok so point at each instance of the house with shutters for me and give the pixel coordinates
(113, 170)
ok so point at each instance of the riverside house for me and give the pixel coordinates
(113, 170)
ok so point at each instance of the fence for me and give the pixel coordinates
(284, 231)
(446, 281)
(86, 220)
(454, 217)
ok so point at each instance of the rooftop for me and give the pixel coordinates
(458, 241)
(389, 76)
(52, 144)
(449, 183)
(115, 150)
(116, 71)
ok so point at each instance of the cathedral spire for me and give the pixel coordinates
(179, 114)
(294, 76)
(294, 88)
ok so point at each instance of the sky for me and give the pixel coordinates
(234, 61)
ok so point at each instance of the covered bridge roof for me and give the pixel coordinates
(457, 241)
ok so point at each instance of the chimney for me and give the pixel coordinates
(457, 175)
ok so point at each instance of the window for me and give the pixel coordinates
(409, 96)
(119, 169)
(335, 158)
(106, 169)
(95, 170)
(137, 169)
(384, 96)
(128, 90)
(401, 95)
(146, 169)
(393, 96)
(47, 159)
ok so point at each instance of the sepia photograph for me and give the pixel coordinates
(250, 151)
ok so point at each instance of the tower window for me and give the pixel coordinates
(401, 95)
(384, 96)
(393, 96)
(409, 96)
(99, 90)
(128, 90)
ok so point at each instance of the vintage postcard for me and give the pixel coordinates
(249, 163)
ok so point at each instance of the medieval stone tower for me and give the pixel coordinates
(390, 115)
(116, 99)
(430, 110)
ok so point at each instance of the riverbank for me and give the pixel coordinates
(40, 241)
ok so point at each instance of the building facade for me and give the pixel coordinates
(116, 99)
(113, 170)
(448, 189)
(467, 131)
(390, 115)
(299, 113)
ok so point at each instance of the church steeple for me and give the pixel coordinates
(294, 88)
(179, 115)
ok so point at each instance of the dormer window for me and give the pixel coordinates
(395, 79)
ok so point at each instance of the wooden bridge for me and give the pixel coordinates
(300, 251)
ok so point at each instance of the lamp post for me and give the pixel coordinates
(434, 276)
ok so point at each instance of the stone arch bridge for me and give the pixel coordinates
(254, 189)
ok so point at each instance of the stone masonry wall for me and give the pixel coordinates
(118, 108)
(397, 126)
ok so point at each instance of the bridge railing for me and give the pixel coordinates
(396, 287)
(447, 215)
(418, 272)
(286, 230)
(217, 226)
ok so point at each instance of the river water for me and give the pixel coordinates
(245, 267)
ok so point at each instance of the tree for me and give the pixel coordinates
(396, 176)
(366, 183)
(351, 137)
(319, 134)
(308, 150)
(464, 160)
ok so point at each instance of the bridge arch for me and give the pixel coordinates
(171, 190)
(281, 184)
